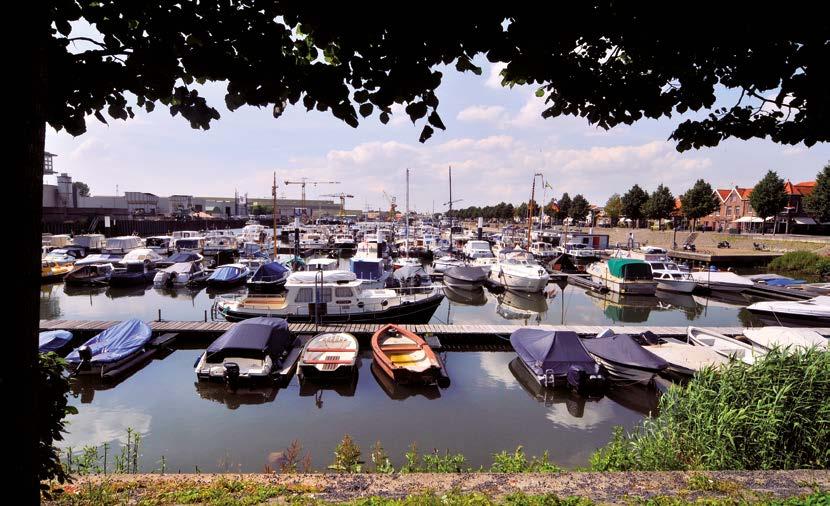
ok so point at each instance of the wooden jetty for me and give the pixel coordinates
(724, 257)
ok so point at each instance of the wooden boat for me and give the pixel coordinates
(404, 356)
(329, 355)
(724, 345)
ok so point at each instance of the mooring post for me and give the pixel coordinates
(205, 315)
(159, 314)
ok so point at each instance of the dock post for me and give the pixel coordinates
(205, 315)
(159, 314)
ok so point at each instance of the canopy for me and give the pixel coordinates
(616, 266)
(180, 268)
(99, 259)
(544, 350)
(311, 277)
(748, 219)
(115, 343)
(622, 349)
(804, 220)
(53, 340)
(228, 272)
(184, 256)
(251, 338)
(272, 271)
(410, 271)
(466, 273)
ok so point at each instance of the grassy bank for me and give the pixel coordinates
(800, 262)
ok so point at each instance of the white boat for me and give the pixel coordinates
(328, 355)
(543, 250)
(477, 249)
(786, 337)
(121, 245)
(440, 265)
(180, 274)
(196, 244)
(139, 255)
(578, 251)
(812, 312)
(670, 278)
(321, 264)
(344, 241)
(183, 234)
(92, 242)
(721, 281)
(684, 359)
(220, 241)
(161, 244)
(517, 270)
(724, 345)
(624, 275)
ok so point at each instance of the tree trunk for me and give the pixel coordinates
(23, 309)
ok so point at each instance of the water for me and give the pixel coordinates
(490, 406)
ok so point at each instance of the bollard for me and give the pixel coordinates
(159, 314)
(205, 315)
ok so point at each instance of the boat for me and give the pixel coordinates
(517, 270)
(62, 256)
(724, 345)
(333, 297)
(813, 312)
(180, 257)
(228, 275)
(670, 277)
(399, 392)
(144, 255)
(135, 273)
(162, 244)
(270, 277)
(321, 264)
(573, 401)
(440, 265)
(724, 281)
(558, 358)
(624, 358)
(328, 355)
(543, 251)
(219, 241)
(624, 275)
(121, 245)
(113, 348)
(411, 278)
(372, 271)
(477, 249)
(180, 274)
(51, 271)
(578, 251)
(89, 275)
(195, 243)
(53, 340)
(785, 337)
(464, 276)
(250, 350)
(404, 356)
(92, 242)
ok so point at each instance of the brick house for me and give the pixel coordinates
(734, 205)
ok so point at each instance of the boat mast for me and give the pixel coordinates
(450, 208)
(530, 210)
(274, 213)
(406, 218)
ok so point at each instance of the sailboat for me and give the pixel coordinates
(406, 260)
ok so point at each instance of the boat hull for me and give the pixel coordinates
(518, 283)
(677, 286)
(404, 375)
(628, 288)
(625, 372)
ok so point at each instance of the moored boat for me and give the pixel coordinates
(624, 358)
(89, 275)
(228, 276)
(51, 271)
(517, 270)
(812, 312)
(404, 356)
(268, 278)
(721, 281)
(329, 355)
(786, 338)
(624, 275)
(54, 340)
(724, 345)
(111, 349)
(464, 276)
(558, 358)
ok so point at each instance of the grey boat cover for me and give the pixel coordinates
(543, 350)
(252, 338)
(624, 350)
(466, 273)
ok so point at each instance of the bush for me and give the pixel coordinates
(801, 262)
(771, 415)
(52, 406)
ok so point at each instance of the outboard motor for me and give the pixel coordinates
(231, 372)
(587, 382)
(86, 358)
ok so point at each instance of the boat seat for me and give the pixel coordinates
(398, 348)
(332, 361)
(324, 350)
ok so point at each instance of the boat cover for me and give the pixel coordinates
(784, 282)
(616, 266)
(370, 269)
(53, 340)
(184, 256)
(273, 271)
(544, 350)
(466, 273)
(103, 258)
(115, 343)
(409, 272)
(180, 268)
(312, 277)
(252, 338)
(228, 273)
(623, 349)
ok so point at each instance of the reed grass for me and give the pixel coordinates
(802, 262)
(771, 415)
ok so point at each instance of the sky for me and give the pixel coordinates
(495, 141)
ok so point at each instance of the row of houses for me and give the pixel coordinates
(735, 212)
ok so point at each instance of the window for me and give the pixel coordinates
(325, 295)
(342, 291)
(303, 295)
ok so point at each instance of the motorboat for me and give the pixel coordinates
(220, 241)
(122, 245)
(477, 249)
(410, 278)
(624, 275)
(139, 255)
(60, 240)
(624, 358)
(724, 345)
(372, 271)
(196, 244)
(228, 275)
(100, 258)
(113, 348)
(54, 341)
(332, 297)
(321, 264)
(558, 358)
(578, 251)
(180, 257)
(254, 262)
(61, 256)
(440, 265)
(724, 281)
(543, 250)
(180, 274)
(51, 271)
(670, 278)
(464, 276)
(574, 402)
(133, 273)
(517, 270)
(268, 278)
(344, 242)
(404, 356)
(329, 355)
(89, 275)
(251, 350)
(92, 242)
(786, 337)
(812, 312)
(161, 244)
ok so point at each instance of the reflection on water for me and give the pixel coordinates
(233, 397)
(575, 403)
(95, 425)
(399, 392)
(469, 297)
(522, 306)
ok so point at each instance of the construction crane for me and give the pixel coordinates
(342, 197)
(304, 181)
(393, 206)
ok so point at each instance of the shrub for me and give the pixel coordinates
(801, 262)
(53, 406)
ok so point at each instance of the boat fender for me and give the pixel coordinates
(198, 358)
(85, 353)
(360, 304)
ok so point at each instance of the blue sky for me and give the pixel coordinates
(495, 141)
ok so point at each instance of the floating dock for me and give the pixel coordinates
(724, 257)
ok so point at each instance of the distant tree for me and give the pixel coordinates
(660, 205)
(81, 188)
(579, 208)
(258, 209)
(564, 207)
(768, 197)
(521, 211)
(632, 204)
(508, 212)
(613, 208)
(698, 201)
(552, 208)
(818, 202)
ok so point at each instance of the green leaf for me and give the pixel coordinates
(435, 120)
(384, 117)
(426, 133)
(366, 109)
(540, 92)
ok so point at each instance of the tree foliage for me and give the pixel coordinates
(660, 205)
(82, 188)
(564, 207)
(500, 211)
(632, 203)
(579, 208)
(768, 197)
(613, 208)
(818, 202)
(53, 406)
(699, 201)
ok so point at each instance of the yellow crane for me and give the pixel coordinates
(342, 197)
(304, 181)
(393, 206)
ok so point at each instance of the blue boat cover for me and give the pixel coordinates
(227, 273)
(272, 271)
(53, 340)
(252, 338)
(182, 256)
(785, 282)
(624, 350)
(543, 350)
(115, 343)
(366, 269)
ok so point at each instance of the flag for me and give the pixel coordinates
(547, 185)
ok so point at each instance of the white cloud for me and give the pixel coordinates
(494, 78)
(483, 113)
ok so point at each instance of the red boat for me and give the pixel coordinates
(404, 356)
